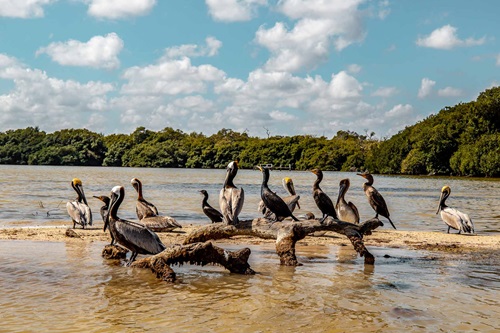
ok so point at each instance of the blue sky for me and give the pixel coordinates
(284, 67)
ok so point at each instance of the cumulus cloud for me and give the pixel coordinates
(400, 110)
(39, 100)
(23, 8)
(354, 68)
(117, 9)
(192, 50)
(234, 10)
(98, 52)
(385, 92)
(449, 92)
(426, 87)
(445, 38)
(319, 26)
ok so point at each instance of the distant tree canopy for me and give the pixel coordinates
(461, 140)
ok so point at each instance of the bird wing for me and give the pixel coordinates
(237, 200)
(377, 202)
(79, 212)
(160, 223)
(231, 202)
(292, 201)
(140, 236)
(144, 209)
(355, 210)
(324, 203)
(457, 220)
(213, 214)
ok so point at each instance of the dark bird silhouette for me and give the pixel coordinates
(292, 200)
(322, 200)
(346, 211)
(231, 198)
(134, 236)
(375, 199)
(213, 214)
(104, 213)
(271, 200)
(143, 208)
(79, 210)
(452, 217)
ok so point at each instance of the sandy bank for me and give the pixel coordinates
(420, 240)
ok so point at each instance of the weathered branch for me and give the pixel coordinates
(288, 233)
(198, 254)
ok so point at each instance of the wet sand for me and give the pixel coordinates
(481, 244)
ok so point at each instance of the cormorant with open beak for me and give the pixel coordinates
(375, 199)
(452, 217)
(271, 200)
(346, 211)
(79, 210)
(213, 214)
(322, 200)
(230, 197)
(132, 235)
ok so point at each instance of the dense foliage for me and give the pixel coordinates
(462, 140)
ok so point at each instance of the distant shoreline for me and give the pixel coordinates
(484, 245)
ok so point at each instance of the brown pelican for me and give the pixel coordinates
(375, 199)
(271, 200)
(134, 236)
(292, 200)
(104, 214)
(160, 223)
(322, 200)
(346, 211)
(213, 214)
(143, 208)
(452, 217)
(79, 210)
(231, 198)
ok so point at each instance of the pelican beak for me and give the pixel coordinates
(259, 167)
(341, 191)
(440, 201)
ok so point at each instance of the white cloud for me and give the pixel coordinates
(399, 111)
(354, 68)
(281, 116)
(23, 8)
(445, 38)
(39, 100)
(343, 85)
(449, 92)
(98, 52)
(193, 50)
(234, 10)
(426, 87)
(385, 92)
(498, 60)
(320, 25)
(383, 9)
(116, 9)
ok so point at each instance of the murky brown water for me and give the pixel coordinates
(68, 287)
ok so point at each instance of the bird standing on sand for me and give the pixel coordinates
(452, 217)
(375, 199)
(79, 210)
(322, 200)
(271, 200)
(346, 211)
(134, 236)
(213, 214)
(231, 198)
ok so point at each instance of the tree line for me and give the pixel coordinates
(461, 140)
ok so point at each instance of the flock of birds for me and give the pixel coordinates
(140, 237)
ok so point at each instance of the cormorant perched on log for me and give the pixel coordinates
(375, 199)
(79, 210)
(452, 217)
(271, 200)
(346, 211)
(292, 200)
(213, 214)
(230, 197)
(322, 200)
(132, 235)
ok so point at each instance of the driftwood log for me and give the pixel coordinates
(198, 254)
(287, 233)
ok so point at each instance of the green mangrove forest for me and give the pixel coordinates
(460, 140)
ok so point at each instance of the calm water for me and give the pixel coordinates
(68, 287)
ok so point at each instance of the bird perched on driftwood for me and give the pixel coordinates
(292, 200)
(452, 217)
(321, 199)
(346, 211)
(79, 210)
(231, 198)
